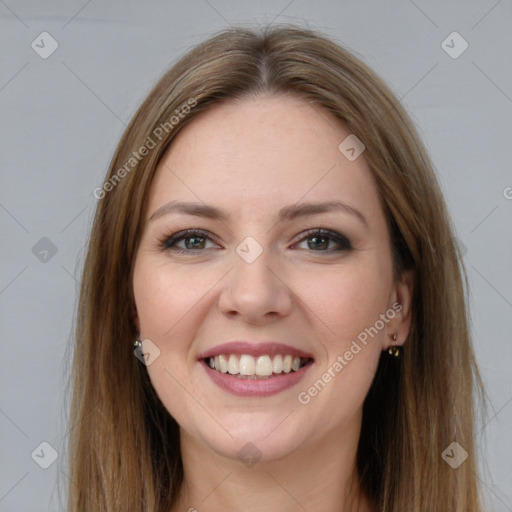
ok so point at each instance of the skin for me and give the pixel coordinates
(252, 157)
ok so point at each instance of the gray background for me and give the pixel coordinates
(62, 117)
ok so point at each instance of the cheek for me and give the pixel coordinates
(171, 304)
(163, 296)
(351, 302)
(345, 301)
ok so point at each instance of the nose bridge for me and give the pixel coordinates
(254, 287)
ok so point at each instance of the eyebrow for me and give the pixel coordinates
(287, 213)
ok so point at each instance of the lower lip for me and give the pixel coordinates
(253, 387)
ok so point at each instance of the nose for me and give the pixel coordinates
(257, 292)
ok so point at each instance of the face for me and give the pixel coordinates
(260, 270)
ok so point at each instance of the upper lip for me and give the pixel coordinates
(254, 349)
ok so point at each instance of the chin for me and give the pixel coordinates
(250, 450)
(265, 439)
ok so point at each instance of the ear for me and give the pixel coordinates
(401, 303)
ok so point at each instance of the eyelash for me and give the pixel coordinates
(168, 242)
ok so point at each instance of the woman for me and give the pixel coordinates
(272, 244)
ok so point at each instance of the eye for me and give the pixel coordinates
(320, 241)
(194, 240)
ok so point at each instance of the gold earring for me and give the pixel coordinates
(394, 350)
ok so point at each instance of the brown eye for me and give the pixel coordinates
(194, 240)
(318, 240)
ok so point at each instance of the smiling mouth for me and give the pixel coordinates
(256, 368)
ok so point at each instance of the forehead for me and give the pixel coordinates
(263, 153)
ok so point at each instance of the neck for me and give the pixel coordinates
(321, 476)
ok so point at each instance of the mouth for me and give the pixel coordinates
(263, 367)
(255, 369)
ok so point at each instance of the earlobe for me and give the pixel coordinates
(399, 326)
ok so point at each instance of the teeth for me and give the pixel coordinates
(247, 365)
(233, 365)
(264, 365)
(287, 364)
(223, 364)
(277, 364)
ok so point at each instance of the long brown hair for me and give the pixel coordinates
(124, 446)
